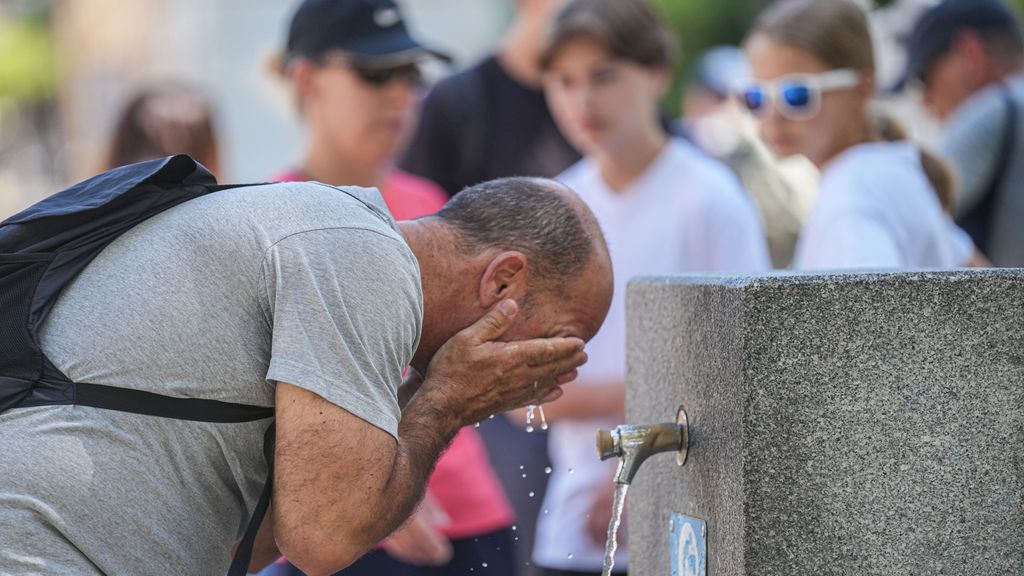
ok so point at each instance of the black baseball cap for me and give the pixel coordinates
(935, 30)
(370, 31)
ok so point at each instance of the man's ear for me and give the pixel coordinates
(505, 276)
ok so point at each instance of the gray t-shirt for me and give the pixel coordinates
(971, 142)
(217, 298)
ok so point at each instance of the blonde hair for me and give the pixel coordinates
(836, 32)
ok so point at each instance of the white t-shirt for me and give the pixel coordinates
(686, 213)
(877, 209)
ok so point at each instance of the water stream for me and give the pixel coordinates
(531, 410)
(613, 528)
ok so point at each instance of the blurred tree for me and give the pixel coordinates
(27, 60)
(700, 24)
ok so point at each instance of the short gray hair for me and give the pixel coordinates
(528, 215)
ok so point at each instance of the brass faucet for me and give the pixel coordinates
(635, 443)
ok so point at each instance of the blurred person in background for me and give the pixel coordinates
(968, 56)
(486, 122)
(354, 71)
(783, 189)
(665, 208)
(881, 202)
(164, 120)
(491, 120)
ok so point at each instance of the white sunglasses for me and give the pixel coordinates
(798, 96)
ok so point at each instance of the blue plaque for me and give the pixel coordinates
(688, 548)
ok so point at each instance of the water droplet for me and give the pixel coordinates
(531, 494)
(484, 564)
(529, 428)
(521, 466)
(571, 470)
(514, 527)
(524, 474)
(547, 469)
(545, 510)
(477, 425)
(491, 417)
(569, 556)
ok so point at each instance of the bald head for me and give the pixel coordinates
(529, 239)
(540, 218)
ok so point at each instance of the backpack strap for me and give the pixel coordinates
(243, 554)
(977, 222)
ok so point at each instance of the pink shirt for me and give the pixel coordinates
(463, 482)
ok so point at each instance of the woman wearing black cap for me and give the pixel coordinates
(354, 71)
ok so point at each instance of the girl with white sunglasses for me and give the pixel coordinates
(881, 202)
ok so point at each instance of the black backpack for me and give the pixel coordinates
(43, 248)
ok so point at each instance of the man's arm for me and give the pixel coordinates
(421, 540)
(341, 484)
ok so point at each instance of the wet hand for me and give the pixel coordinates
(476, 375)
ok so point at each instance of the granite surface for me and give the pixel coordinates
(840, 424)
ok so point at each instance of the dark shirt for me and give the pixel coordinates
(482, 124)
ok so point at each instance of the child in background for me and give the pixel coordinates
(665, 208)
(880, 202)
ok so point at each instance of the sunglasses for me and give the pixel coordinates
(410, 73)
(798, 96)
(378, 75)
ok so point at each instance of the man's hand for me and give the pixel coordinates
(474, 375)
(419, 541)
(341, 485)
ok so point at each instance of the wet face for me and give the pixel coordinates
(577, 310)
(839, 122)
(601, 102)
(363, 115)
